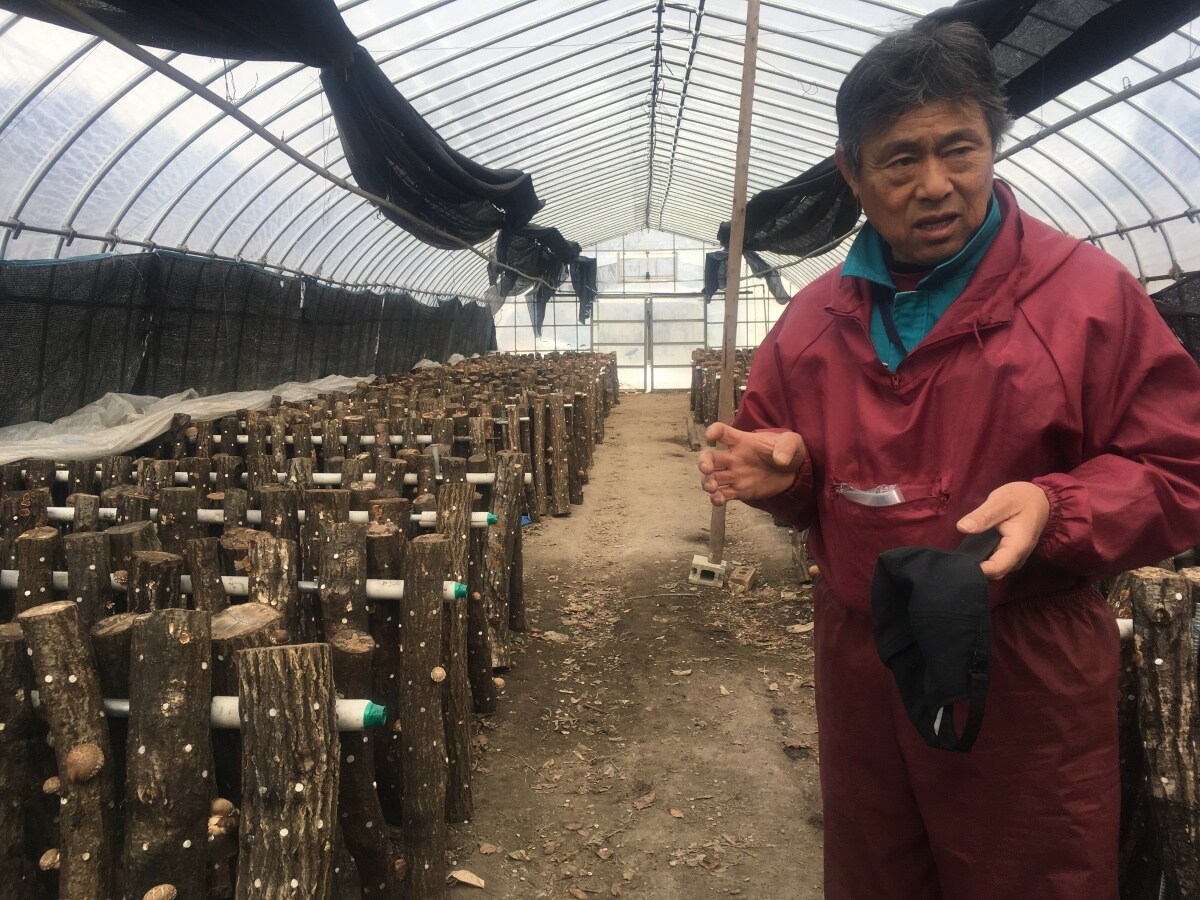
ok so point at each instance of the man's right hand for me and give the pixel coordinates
(757, 465)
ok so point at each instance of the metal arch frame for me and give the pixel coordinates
(255, 94)
(1129, 186)
(246, 170)
(280, 174)
(68, 139)
(685, 81)
(36, 89)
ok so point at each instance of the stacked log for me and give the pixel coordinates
(256, 560)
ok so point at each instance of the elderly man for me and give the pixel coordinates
(967, 368)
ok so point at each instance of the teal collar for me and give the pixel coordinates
(868, 258)
(900, 321)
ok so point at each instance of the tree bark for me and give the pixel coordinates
(421, 716)
(37, 550)
(506, 500)
(154, 581)
(89, 584)
(359, 810)
(1163, 615)
(17, 872)
(559, 457)
(454, 521)
(322, 508)
(203, 564)
(169, 781)
(344, 577)
(87, 512)
(70, 700)
(177, 518)
(237, 628)
(124, 541)
(272, 573)
(289, 773)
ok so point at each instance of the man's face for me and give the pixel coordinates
(925, 180)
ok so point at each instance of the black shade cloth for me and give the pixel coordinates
(583, 282)
(716, 267)
(537, 252)
(391, 150)
(1042, 48)
(159, 323)
(931, 619)
(1179, 304)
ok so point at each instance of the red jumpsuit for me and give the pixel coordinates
(1053, 367)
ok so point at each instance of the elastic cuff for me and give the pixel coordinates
(1052, 532)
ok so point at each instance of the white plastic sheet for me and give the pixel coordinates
(119, 422)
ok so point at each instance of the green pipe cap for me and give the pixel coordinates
(374, 715)
(493, 519)
(460, 591)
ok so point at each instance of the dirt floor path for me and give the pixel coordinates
(654, 739)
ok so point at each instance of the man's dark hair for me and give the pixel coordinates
(915, 67)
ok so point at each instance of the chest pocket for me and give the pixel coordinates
(886, 507)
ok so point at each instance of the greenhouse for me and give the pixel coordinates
(365, 359)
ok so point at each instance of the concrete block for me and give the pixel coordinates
(742, 579)
(705, 572)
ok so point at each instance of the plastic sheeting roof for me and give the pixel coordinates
(624, 112)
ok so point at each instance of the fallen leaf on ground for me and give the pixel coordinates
(556, 636)
(802, 628)
(772, 686)
(677, 813)
(681, 672)
(725, 692)
(486, 849)
(519, 855)
(462, 876)
(578, 894)
(643, 801)
(604, 853)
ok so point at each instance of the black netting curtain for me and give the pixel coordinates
(536, 252)
(158, 323)
(1042, 48)
(1180, 306)
(391, 150)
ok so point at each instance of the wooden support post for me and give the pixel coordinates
(272, 570)
(421, 714)
(202, 561)
(154, 581)
(290, 758)
(17, 873)
(170, 784)
(359, 810)
(343, 577)
(574, 466)
(71, 702)
(387, 546)
(37, 550)
(453, 521)
(1164, 610)
(737, 230)
(89, 586)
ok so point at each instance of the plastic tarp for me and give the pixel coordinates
(119, 422)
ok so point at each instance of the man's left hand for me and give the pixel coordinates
(1019, 511)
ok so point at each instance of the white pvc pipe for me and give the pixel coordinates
(239, 585)
(224, 712)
